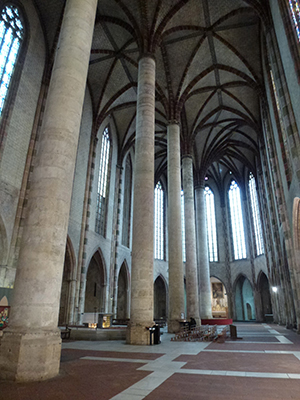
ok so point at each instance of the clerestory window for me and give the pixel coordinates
(295, 14)
(256, 216)
(237, 225)
(103, 183)
(11, 38)
(159, 222)
(211, 224)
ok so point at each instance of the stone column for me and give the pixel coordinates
(176, 283)
(203, 260)
(141, 310)
(30, 347)
(192, 297)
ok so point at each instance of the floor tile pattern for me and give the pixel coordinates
(264, 364)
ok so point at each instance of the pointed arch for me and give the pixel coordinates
(265, 296)
(66, 289)
(160, 299)
(96, 283)
(219, 299)
(244, 299)
(123, 293)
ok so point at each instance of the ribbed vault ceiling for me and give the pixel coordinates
(208, 74)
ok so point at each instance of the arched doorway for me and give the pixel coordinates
(160, 299)
(122, 300)
(264, 291)
(95, 286)
(65, 295)
(219, 302)
(244, 300)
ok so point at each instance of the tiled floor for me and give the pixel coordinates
(264, 365)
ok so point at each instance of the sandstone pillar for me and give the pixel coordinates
(203, 260)
(176, 283)
(192, 298)
(30, 347)
(141, 308)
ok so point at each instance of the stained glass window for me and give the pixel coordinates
(256, 216)
(183, 227)
(159, 221)
(211, 224)
(11, 37)
(102, 192)
(237, 225)
(295, 13)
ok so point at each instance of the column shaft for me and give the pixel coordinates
(176, 283)
(192, 297)
(141, 311)
(32, 333)
(203, 260)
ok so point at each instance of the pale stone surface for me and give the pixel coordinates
(176, 283)
(141, 310)
(29, 356)
(35, 307)
(203, 260)
(192, 297)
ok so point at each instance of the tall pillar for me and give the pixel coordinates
(176, 283)
(141, 310)
(192, 298)
(203, 260)
(30, 347)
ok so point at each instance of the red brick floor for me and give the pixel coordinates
(278, 363)
(82, 379)
(206, 387)
(78, 379)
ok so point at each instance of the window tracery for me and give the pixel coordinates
(11, 37)
(237, 225)
(159, 221)
(211, 224)
(102, 192)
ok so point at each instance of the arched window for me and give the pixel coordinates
(211, 224)
(256, 216)
(237, 225)
(159, 221)
(295, 14)
(183, 227)
(11, 37)
(102, 192)
(127, 203)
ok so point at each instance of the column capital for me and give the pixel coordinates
(199, 186)
(173, 122)
(147, 55)
(187, 156)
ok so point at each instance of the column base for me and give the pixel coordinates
(29, 356)
(138, 334)
(173, 326)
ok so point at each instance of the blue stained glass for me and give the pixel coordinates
(295, 13)
(11, 36)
